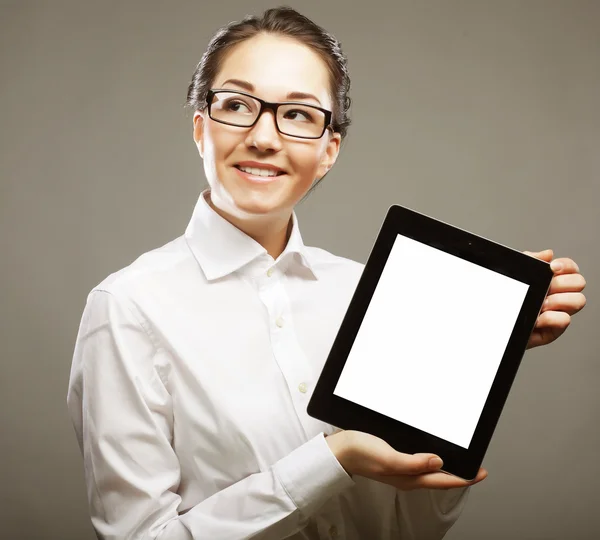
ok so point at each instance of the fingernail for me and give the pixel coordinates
(556, 266)
(435, 463)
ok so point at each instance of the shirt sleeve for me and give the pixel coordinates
(122, 413)
(428, 514)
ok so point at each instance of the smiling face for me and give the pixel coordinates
(276, 69)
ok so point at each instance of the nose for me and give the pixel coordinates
(264, 135)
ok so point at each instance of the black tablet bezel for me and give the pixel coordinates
(326, 406)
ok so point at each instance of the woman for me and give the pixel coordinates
(194, 365)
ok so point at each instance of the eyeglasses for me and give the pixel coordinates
(291, 118)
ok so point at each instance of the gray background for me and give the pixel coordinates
(483, 114)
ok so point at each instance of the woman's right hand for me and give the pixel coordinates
(366, 455)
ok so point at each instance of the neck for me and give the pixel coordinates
(271, 232)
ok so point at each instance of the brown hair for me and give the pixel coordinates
(283, 21)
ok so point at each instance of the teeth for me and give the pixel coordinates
(258, 172)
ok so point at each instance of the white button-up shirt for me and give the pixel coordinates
(192, 370)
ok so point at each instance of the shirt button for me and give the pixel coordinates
(269, 272)
(279, 322)
(302, 387)
(333, 533)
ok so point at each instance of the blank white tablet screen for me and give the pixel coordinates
(431, 341)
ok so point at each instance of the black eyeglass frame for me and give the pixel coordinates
(267, 105)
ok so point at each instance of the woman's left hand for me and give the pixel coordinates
(564, 299)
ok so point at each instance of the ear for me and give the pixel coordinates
(199, 132)
(330, 155)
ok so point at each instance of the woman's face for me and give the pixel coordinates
(271, 68)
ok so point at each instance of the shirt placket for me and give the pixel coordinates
(286, 349)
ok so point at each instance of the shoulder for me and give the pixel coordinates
(152, 271)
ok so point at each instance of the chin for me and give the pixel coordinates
(246, 203)
(259, 204)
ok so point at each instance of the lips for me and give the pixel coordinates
(258, 168)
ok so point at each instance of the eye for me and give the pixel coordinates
(237, 106)
(299, 115)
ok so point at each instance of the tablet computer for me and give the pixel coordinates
(432, 340)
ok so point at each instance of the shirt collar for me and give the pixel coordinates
(221, 248)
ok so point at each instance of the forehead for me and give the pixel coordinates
(276, 66)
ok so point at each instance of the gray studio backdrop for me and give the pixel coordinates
(483, 114)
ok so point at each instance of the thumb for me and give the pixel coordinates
(417, 463)
(545, 255)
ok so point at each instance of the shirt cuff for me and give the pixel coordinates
(311, 474)
(450, 501)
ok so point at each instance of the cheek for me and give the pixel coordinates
(307, 160)
(218, 145)
(210, 163)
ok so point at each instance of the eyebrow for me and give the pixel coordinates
(250, 88)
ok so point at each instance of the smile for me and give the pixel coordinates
(258, 176)
(259, 172)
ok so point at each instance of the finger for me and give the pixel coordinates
(553, 319)
(440, 480)
(564, 265)
(570, 303)
(415, 464)
(567, 283)
(543, 336)
(545, 255)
